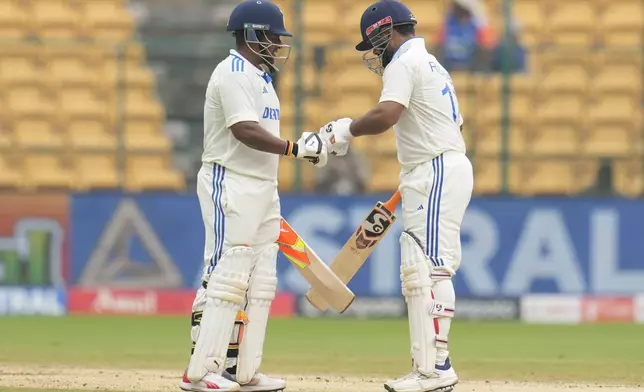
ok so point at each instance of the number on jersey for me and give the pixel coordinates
(449, 90)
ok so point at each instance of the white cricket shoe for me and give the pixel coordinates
(442, 379)
(260, 383)
(210, 382)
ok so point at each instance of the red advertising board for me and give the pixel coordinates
(34, 239)
(151, 302)
(607, 309)
(551, 309)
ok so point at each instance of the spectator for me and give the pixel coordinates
(511, 50)
(344, 175)
(466, 41)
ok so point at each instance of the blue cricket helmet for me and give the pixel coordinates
(257, 18)
(261, 15)
(381, 15)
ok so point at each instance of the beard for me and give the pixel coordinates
(387, 56)
(268, 59)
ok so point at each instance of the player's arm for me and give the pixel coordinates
(238, 101)
(256, 137)
(377, 120)
(397, 87)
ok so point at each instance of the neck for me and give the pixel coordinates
(405, 39)
(250, 56)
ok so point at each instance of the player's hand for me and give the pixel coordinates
(337, 136)
(311, 148)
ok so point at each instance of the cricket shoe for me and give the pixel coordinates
(210, 382)
(442, 379)
(260, 383)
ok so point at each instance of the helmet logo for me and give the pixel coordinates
(255, 26)
(379, 23)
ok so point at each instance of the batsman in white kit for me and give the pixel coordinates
(436, 180)
(237, 190)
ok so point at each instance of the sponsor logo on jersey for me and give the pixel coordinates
(271, 114)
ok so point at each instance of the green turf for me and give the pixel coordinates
(487, 351)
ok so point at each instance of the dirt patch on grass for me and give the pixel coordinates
(64, 378)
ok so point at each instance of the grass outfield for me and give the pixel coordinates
(480, 351)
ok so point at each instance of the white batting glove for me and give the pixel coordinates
(337, 136)
(309, 147)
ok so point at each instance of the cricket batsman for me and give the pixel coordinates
(237, 190)
(436, 180)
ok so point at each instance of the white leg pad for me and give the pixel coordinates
(443, 311)
(415, 274)
(263, 285)
(225, 295)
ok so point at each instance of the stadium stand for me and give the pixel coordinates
(581, 100)
(88, 86)
(72, 82)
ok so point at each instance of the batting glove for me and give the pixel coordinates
(309, 147)
(337, 136)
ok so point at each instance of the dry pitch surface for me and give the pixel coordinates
(148, 354)
(83, 379)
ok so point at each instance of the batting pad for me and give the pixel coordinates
(224, 296)
(263, 285)
(415, 275)
(443, 311)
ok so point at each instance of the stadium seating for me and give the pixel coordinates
(629, 177)
(13, 20)
(72, 96)
(77, 98)
(95, 170)
(10, 176)
(581, 100)
(56, 19)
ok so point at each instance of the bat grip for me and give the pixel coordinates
(393, 201)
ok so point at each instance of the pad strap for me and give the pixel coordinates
(441, 309)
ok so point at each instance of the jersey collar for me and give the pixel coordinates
(259, 72)
(410, 43)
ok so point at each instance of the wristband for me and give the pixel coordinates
(291, 149)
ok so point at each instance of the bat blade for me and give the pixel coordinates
(329, 286)
(359, 246)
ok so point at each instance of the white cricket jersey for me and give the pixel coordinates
(238, 91)
(431, 123)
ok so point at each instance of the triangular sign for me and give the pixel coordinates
(110, 262)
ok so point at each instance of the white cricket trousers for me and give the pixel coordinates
(236, 210)
(435, 195)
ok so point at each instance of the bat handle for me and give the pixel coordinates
(393, 201)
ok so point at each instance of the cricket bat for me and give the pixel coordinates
(357, 249)
(330, 288)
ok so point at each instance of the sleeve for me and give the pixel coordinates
(397, 83)
(237, 99)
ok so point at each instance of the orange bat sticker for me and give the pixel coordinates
(292, 246)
